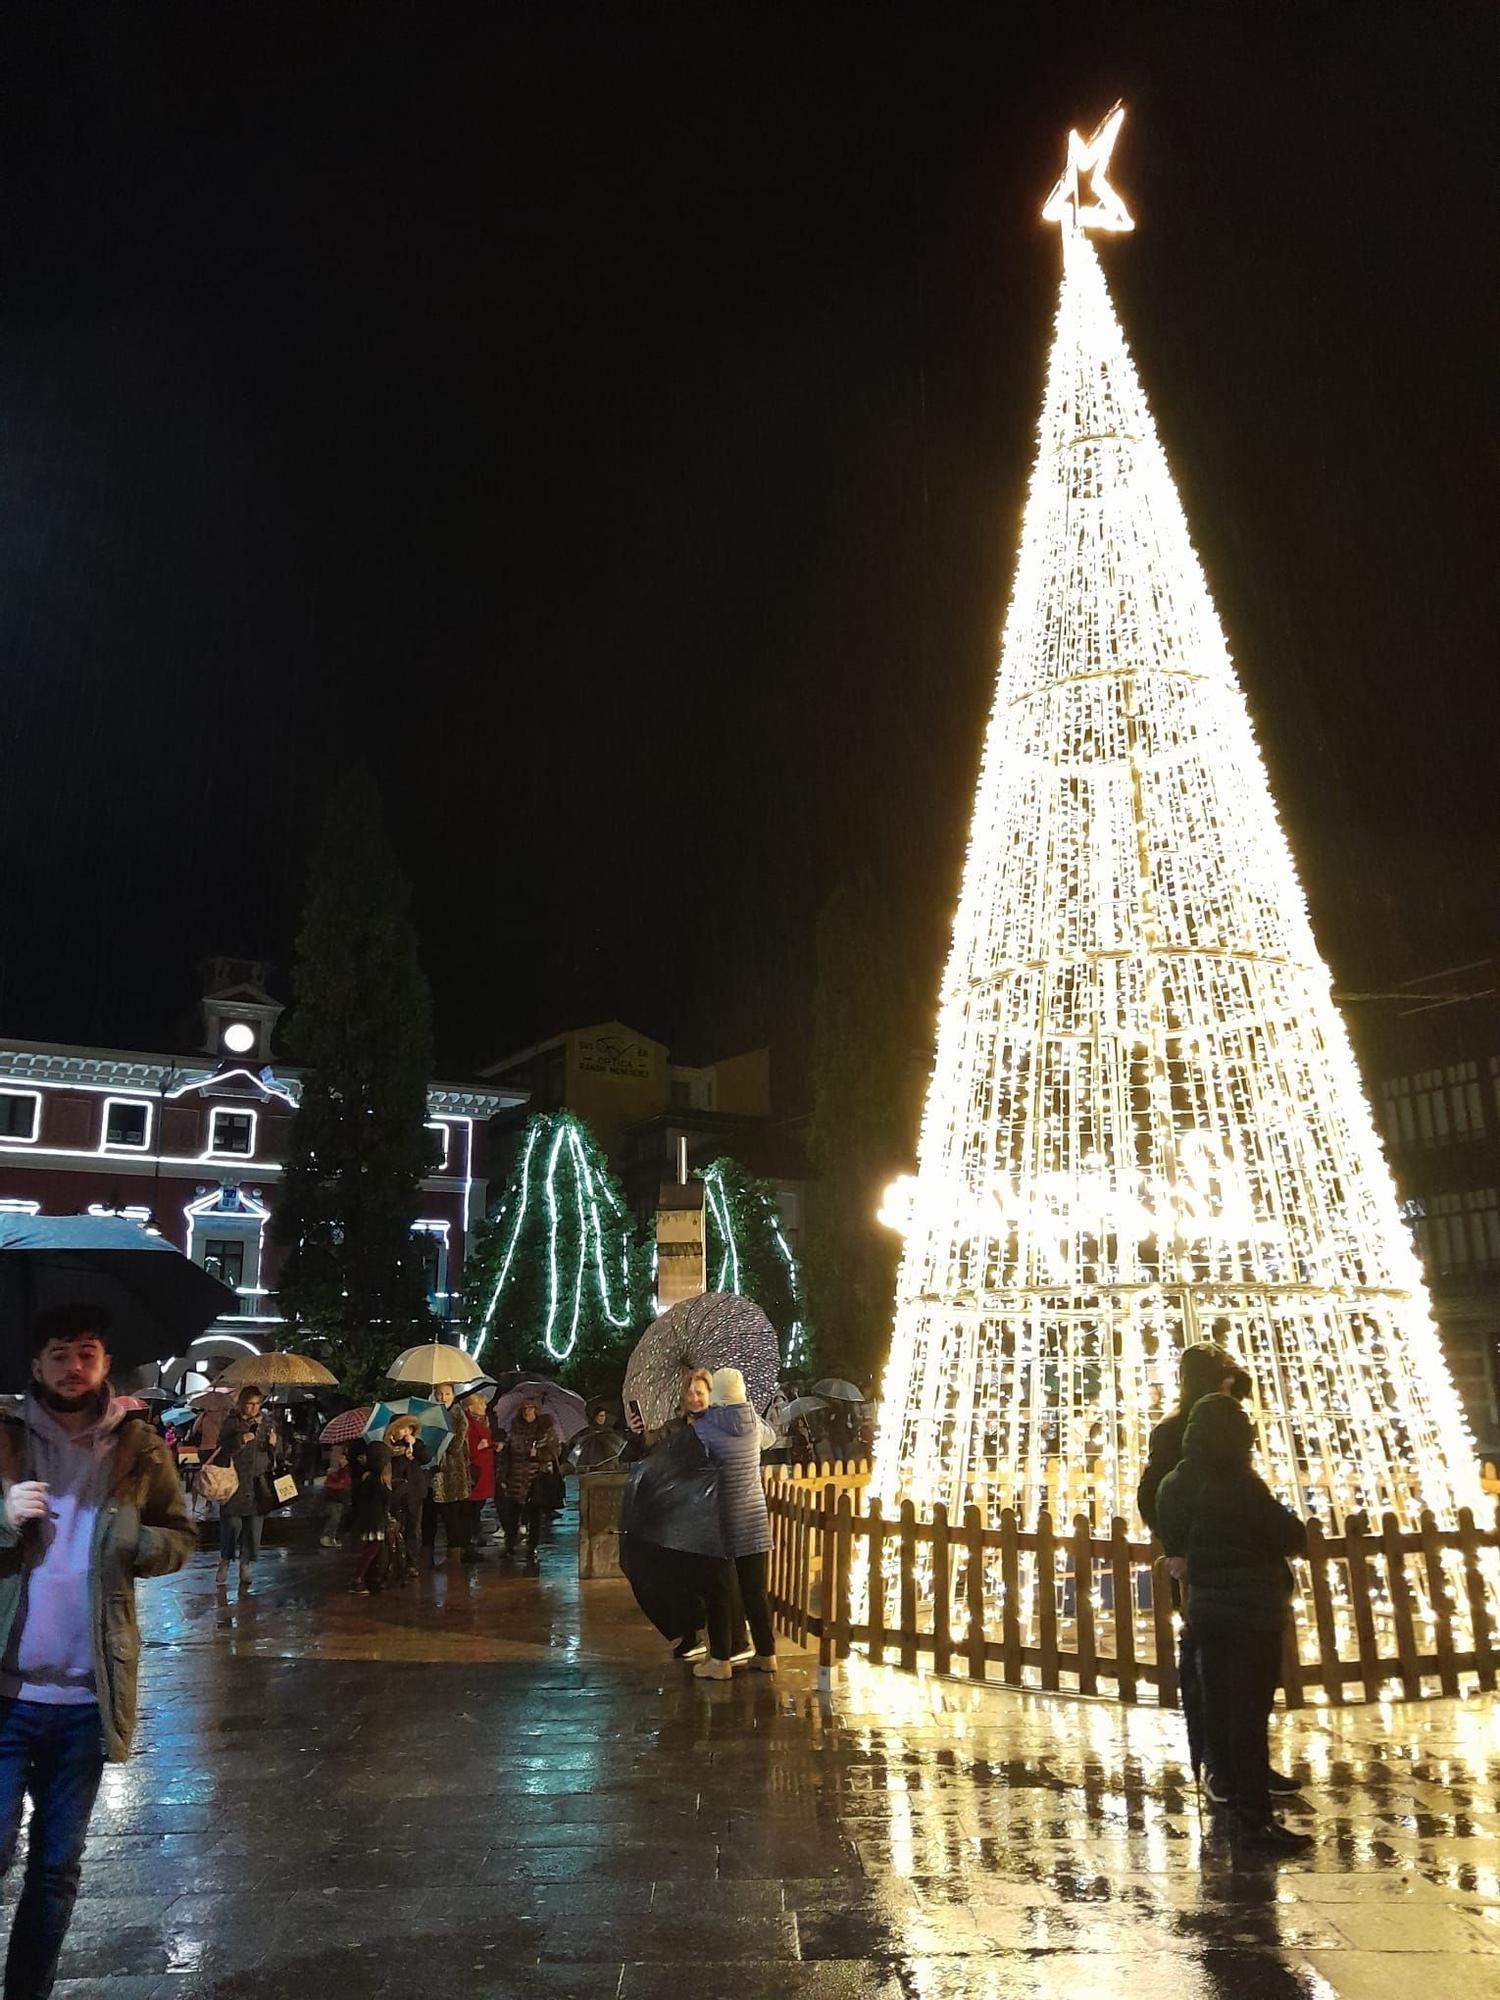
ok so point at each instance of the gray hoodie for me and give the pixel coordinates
(50, 1657)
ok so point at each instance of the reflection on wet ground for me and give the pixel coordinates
(492, 1784)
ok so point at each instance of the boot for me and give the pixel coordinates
(1266, 1835)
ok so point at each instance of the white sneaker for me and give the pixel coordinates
(764, 1663)
(713, 1670)
(739, 1659)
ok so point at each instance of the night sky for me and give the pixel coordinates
(613, 426)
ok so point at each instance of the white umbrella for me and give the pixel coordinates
(432, 1363)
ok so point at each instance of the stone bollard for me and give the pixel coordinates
(599, 1523)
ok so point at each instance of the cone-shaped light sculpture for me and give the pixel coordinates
(1145, 1127)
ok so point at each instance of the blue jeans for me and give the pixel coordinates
(242, 1532)
(56, 1754)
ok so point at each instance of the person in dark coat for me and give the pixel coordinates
(249, 1441)
(369, 1506)
(1215, 1510)
(1202, 1371)
(409, 1481)
(729, 1431)
(533, 1446)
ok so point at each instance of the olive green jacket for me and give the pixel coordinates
(142, 1529)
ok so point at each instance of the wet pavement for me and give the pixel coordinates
(490, 1784)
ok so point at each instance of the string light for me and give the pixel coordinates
(599, 1237)
(721, 1213)
(1144, 1127)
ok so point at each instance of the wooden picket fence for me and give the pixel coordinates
(1379, 1613)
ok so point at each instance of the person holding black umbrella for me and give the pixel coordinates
(91, 1502)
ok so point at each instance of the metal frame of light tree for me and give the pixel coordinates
(1145, 1127)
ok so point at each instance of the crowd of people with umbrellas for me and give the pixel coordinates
(451, 1462)
(414, 1476)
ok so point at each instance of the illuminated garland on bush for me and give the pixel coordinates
(563, 1217)
(746, 1251)
(1145, 1127)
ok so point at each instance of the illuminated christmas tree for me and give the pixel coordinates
(1144, 1127)
(747, 1251)
(557, 1268)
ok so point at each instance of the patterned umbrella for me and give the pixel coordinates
(277, 1371)
(346, 1426)
(714, 1330)
(567, 1410)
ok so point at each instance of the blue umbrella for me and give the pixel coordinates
(433, 1428)
(158, 1301)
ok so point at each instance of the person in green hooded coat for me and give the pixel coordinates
(1218, 1512)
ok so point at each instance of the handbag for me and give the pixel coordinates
(274, 1489)
(216, 1483)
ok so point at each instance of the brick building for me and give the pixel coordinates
(194, 1145)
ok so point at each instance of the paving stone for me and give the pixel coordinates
(506, 1778)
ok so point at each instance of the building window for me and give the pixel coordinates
(224, 1259)
(434, 1237)
(127, 1122)
(439, 1135)
(232, 1132)
(1461, 1232)
(20, 1114)
(432, 1264)
(1436, 1107)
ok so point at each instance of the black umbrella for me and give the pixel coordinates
(669, 1523)
(158, 1301)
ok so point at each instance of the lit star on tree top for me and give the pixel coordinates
(1083, 197)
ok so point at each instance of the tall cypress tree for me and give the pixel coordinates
(361, 1026)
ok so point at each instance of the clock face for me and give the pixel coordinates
(239, 1038)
